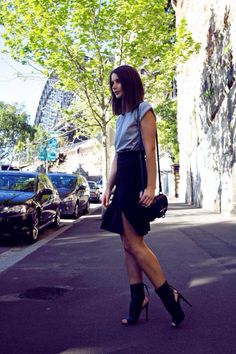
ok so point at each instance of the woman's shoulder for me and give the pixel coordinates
(144, 107)
(145, 104)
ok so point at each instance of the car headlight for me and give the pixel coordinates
(15, 209)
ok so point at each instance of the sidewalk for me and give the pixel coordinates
(70, 295)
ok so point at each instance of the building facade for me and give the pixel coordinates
(84, 157)
(206, 106)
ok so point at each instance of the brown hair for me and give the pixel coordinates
(132, 88)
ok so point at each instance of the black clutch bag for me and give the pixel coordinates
(159, 205)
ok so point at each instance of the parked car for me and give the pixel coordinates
(28, 201)
(100, 185)
(74, 193)
(94, 192)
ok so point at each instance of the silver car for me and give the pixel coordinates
(94, 192)
(74, 193)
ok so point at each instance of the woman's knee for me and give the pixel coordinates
(132, 247)
(127, 247)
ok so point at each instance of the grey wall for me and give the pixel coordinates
(206, 106)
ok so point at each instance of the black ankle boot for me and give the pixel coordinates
(171, 300)
(137, 304)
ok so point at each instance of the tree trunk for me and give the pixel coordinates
(106, 146)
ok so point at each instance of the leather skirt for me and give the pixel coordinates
(126, 196)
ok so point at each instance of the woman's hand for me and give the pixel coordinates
(146, 197)
(110, 184)
(106, 197)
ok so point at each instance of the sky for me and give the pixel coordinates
(16, 89)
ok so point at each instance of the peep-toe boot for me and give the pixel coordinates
(138, 302)
(170, 297)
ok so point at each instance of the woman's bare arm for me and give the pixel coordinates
(148, 132)
(110, 183)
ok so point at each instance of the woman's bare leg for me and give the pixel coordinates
(145, 258)
(135, 274)
(135, 278)
(148, 263)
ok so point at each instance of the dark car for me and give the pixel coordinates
(94, 192)
(74, 193)
(28, 201)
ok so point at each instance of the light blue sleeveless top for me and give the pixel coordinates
(127, 132)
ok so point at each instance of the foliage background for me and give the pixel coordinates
(80, 42)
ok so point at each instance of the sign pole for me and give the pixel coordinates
(46, 160)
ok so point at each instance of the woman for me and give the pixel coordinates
(126, 213)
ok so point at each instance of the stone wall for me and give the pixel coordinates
(206, 106)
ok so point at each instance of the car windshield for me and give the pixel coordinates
(92, 184)
(17, 183)
(63, 181)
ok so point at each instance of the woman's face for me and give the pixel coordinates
(116, 86)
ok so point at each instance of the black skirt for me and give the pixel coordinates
(126, 196)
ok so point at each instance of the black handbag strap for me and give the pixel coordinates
(141, 158)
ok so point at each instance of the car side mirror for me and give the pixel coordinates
(82, 187)
(46, 191)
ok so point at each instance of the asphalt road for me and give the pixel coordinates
(18, 243)
(69, 294)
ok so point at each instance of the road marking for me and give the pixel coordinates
(15, 255)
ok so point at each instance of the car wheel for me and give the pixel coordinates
(34, 228)
(76, 211)
(57, 219)
(86, 210)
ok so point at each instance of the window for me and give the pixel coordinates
(17, 182)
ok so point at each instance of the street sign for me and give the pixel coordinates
(42, 153)
(48, 151)
(53, 134)
(52, 149)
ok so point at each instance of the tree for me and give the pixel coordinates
(14, 130)
(79, 42)
(167, 128)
